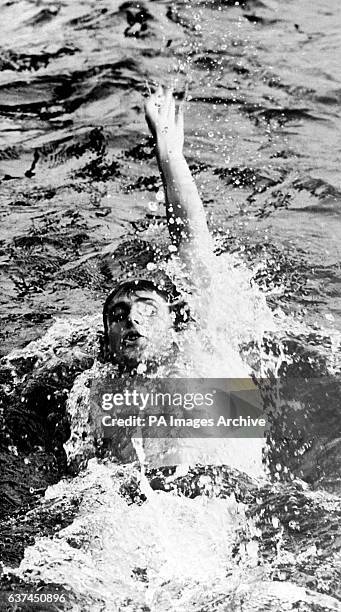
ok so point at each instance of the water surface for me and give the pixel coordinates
(80, 208)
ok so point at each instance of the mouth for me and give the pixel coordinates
(131, 338)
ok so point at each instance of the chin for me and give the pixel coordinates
(132, 359)
(132, 356)
(141, 352)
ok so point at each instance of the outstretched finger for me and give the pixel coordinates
(170, 102)
(180, 115)
(181, 105)
(151, 104)
(185, 98)
(169, 92)
(154, 101)
(167, 102)
(147, 87)
(159, 93)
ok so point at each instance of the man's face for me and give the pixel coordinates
(139, 323)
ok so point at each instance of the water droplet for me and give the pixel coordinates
(152, 205)
(275, 522)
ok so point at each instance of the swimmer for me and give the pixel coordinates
(141, 322)
(139, 318)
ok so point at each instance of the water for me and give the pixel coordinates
(81, 206)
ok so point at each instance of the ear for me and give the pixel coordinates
(103, 348)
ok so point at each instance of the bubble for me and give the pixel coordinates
(275, 522)
(152, 205)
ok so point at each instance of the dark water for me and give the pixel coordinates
(79, 208)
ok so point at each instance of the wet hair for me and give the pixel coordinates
(169, 293)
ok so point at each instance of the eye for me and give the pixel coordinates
(150, 310)
(147, 310)
(118, 314)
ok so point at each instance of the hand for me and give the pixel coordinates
(165, 122)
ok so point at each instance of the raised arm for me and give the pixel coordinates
(185, 213)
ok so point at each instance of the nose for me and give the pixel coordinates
(134, 317)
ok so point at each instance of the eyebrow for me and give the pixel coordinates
(140, 299)
(146, 299)
(117, 304)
